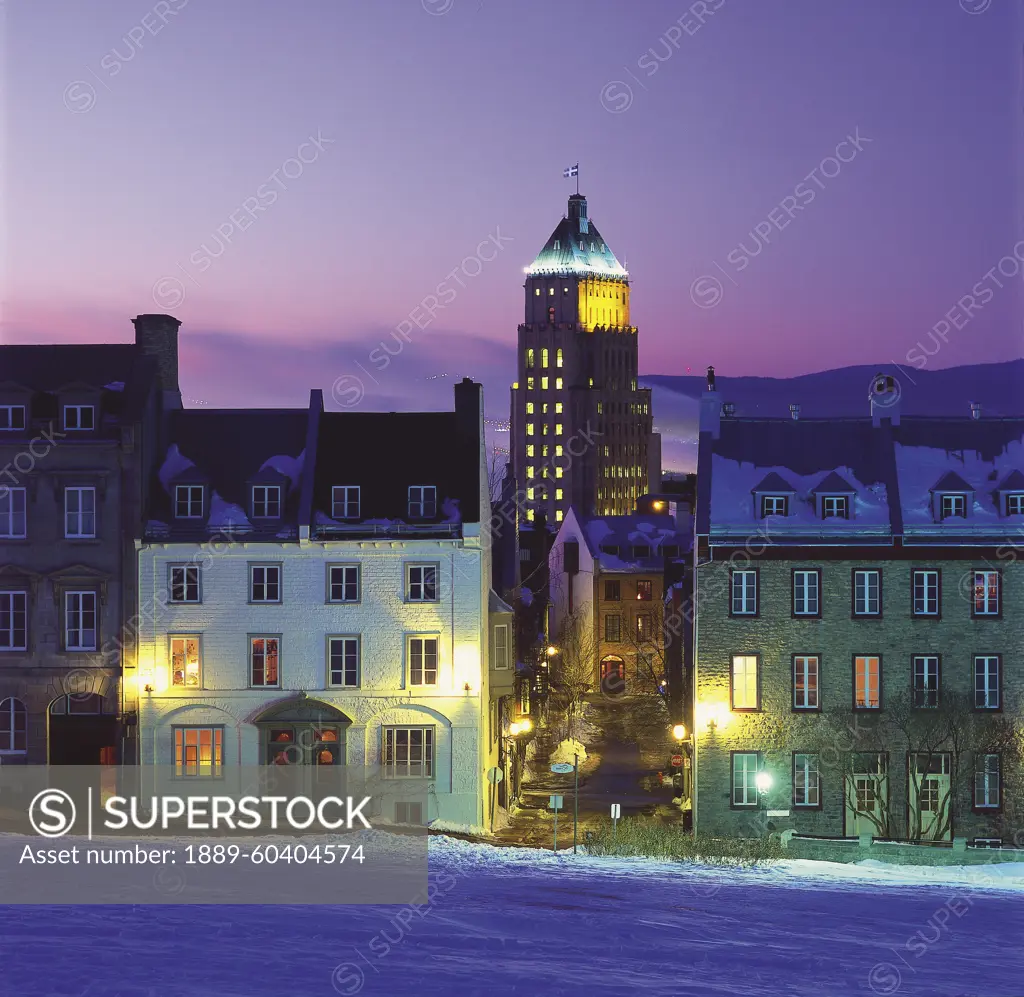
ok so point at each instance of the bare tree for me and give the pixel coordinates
(572, 668)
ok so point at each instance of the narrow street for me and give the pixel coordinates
(613, 773)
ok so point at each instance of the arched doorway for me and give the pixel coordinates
(613, 675)
(303, 732)
(83, 730)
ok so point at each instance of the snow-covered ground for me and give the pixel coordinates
(521, 922)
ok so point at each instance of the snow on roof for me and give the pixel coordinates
(773, 482)
(626, 532)
(174, 464)
(114, 386)
(734, 511)
(290, 467)
(833, 483)
(226, 515)
(450, 509)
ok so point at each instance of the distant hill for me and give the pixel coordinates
(998, 387)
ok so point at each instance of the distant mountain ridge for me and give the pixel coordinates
(997, 387)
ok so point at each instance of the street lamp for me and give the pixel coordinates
(679, 732)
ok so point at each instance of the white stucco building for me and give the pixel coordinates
(318, 585)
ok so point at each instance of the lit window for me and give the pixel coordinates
(530, 449)
(198, 751)
(558, 352)
(559, 472)
(544, 357)
(185, 666)
(558, 450)
(529, 408)
(745, 691)
(558, 429)
(422, 661)
(986, 593)
(558, 408)
(530, 515)
(600, 408)
(558, 494)
(544, 408)
(543, 384)
(590, 382)
(867, 679)
(551, 292)
(558, 384)
(559, 515)
(536, 291)
(529, 471)
(529, 352)
(529, 429)
(529, 384)
(264, 662)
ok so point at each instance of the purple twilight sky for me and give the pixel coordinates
(136, 130)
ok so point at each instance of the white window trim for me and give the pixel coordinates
(870, 702)
(800, 606)
(79, 490)
(189, 503)
(803, 803)
(216, 769)
(8, 749)
(749, 784)
(421, 501)
(409, 566)
(861, 586)
(991, 671)
(331, 684)
(79, 409)
(931, 673)
(9, 633)
(806, 659)
(347, 566)
(772, 500)
(10, 410)
(988, 789)
(956, 498)
(929, 575)
(429, 756)
(264, 685)
(436, 638)
(747, 578)
(1015, 499)
(267, 491)
(346, 503)
(68, 646)
(7, 519)
(741, 689)
(264, 565)
(991, 604)
(502, 645)
(185, 569)
(198, 638)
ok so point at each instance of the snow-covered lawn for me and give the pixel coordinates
(514, 921)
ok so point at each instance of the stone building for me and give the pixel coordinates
(324, 586)
(79, 427)
(608, 576)
(858, 638)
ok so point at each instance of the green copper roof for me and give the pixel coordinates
(576, 247)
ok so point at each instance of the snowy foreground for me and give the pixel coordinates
(509, 921)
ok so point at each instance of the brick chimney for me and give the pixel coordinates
(469, 427)
(157, 336)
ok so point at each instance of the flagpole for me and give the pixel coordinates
(577, 178)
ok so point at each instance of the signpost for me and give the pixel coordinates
(677, 761)
(616, 814)
(555, 802)
(561, 768)
(564, 768)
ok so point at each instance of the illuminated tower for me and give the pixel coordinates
(581, 426)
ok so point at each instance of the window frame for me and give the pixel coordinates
(332, 566)
(817, 572)
(253, 566)
(732, 593)
(12, 629)
(184, 567)
(409, 638)
(189, 489)
(8, 493)
(78, 408)
(758, 768)
(952, 496)
(1015, 498)
(66, 644)
(346, 502)
(794, 706)
(216, 742)
(407, 582)
(80, 490)
(998, 614)
(252, 638)
(429, 732)
(937, 615)
(975, 658)
(926, 691)
(267, 491)
(765, 499)
(608, 583)
(503, 645)
(644, 585)
(329, 652)
(854, 615)
(618, 629)
(10, 410)
(421, 502)
(732, 682)
(841, 502)
(881, 681)
(183, 636)
(984, 808)
(11, 751)
(797, 805)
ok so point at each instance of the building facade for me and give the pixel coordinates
(581, 427)
(858, 640)
(608, 576)
(323, 583)
(79, 428)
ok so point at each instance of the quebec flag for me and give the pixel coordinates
(571, 171)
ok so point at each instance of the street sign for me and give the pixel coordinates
(562, 768)
(616, 811)
(494, 776)
(677, 761)
(555, 802)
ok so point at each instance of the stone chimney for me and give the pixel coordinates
(884, 396)
(794, 411)
(157, 336)
(711, 414)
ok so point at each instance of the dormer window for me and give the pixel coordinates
(774, 505)
(422, 501)
(611, 549)
(345, 502)
(188, 501)
(1015, 504)
(266, 501)
(953, 506)
(641, 550)
(12, 417)
(835, 507)
(79, 417)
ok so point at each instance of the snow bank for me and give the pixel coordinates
(447, 825)
(174, 464)
(567, 749)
